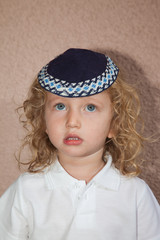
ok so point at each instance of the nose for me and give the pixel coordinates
(73, 119)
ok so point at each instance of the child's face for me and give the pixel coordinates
(78, 127)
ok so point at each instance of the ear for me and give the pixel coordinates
(112, 130)
(111, 133)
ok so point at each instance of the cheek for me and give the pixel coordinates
(54, 135)
(53, 122)
(98, 132)
(54, 129)
(104, 129)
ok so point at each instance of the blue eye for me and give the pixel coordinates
(90, 108)
(60, 106)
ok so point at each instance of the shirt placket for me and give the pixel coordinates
(84, 203)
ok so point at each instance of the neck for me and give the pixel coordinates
(83, 168)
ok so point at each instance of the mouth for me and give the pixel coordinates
(73, 140)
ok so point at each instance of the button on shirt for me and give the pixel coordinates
(55, 206)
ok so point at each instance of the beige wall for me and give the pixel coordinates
(34, 31)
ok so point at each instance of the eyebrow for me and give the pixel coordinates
(92, 98)
(51, 99)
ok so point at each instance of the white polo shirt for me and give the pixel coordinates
(55, 206)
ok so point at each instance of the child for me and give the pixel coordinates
(82, 178)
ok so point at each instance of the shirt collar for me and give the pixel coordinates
(108, 177)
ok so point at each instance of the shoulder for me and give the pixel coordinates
(25, 184)
(139, 189)
(136, 183)
(125, 182)
(30, 183)
(31, 179)
(133, 187)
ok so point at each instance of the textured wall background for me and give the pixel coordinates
(34, 31)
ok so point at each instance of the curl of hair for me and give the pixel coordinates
(124, 147)
(127, 142)
(36, 138)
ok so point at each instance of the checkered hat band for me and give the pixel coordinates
(81, 89)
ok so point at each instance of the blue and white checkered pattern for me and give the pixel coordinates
(81, 89)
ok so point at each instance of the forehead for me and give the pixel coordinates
(99, 98)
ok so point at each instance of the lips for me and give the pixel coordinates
(73, 139)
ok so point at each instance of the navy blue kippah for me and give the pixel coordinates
(78, 73)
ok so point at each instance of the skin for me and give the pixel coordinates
(78, 128)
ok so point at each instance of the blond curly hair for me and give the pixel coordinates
(125, 147)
